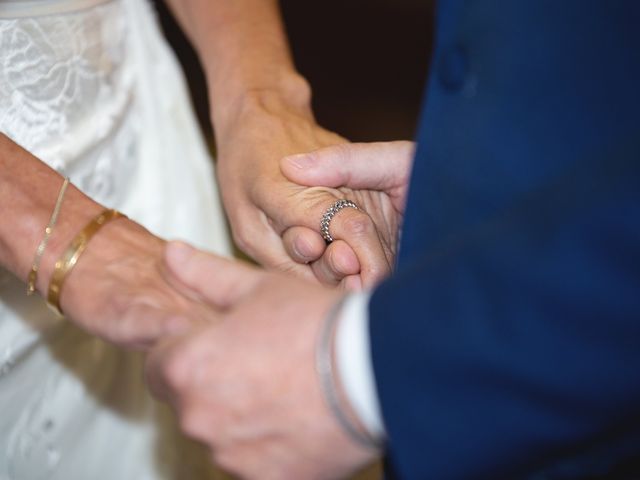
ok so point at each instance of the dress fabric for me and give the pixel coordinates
(91, 88)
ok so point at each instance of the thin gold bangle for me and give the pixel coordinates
(70, 257)
(37, 259)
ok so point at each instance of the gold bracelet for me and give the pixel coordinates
(70, 257)
(35, 266)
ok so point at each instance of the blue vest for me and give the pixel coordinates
(507, 344)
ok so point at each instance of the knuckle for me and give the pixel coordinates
(228, 462)
(176, 370)
(123, 331)
(358, 225)
(243, 238)
(341, 152)
(120, 304)
(192, 424)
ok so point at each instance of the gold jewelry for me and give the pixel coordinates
(70, 257)
(35, 266)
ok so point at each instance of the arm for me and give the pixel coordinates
(119, 272)
(245, 55)
(261, 110)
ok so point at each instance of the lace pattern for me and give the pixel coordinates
(66, 90)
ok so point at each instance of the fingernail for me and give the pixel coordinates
(300, 161)
(177, 253)
(302, 249)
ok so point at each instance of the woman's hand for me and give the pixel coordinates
(375, 173)
(119, 275)
(263, 205)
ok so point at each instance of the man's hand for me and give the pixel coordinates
(377, 174)
(246, 385)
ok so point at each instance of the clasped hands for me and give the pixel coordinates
(232, 346)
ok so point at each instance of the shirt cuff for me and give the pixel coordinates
(353, 361)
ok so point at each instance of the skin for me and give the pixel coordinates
(120, 290)
(261, 414)
(261, 112)
(119, 273)
(255, 90)
(245, 383)
(378, 170)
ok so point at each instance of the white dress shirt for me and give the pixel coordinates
(353, 360)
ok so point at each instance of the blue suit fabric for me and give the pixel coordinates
(507, 343)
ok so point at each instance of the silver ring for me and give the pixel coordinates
(330, 213)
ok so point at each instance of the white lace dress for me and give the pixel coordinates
(91, 88)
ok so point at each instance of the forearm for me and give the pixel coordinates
(244, 51)
(28, 192)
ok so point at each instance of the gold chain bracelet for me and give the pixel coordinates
(70, 257)
(37, 259)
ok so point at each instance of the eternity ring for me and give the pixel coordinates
(330, 213)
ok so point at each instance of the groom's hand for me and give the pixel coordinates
(246, 386)
(377, 174)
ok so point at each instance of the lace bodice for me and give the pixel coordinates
(66, 85)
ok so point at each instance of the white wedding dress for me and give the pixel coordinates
(91, 88)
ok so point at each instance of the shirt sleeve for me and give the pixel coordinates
(353, 360)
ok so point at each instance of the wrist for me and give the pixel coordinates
(77, 210)
(28, 194)
(287, 94)
(332, 387)
(118, 246)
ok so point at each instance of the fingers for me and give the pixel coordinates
(338, 259)
(255, 237)
(332, 265)
(219, 281)
(338, 262)
(360, 238)
(143, 325)
(354, 226)
(167, 368)
(373, 166)
(303, 245)
(358, 229)
(360, 251)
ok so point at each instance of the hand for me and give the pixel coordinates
(377, 173)
(262, 204)
(120, 275)
(246, 386)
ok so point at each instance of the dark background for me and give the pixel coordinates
(366, 61)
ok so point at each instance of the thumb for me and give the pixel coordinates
(373, 166)
(219, 281)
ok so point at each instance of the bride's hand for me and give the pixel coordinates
(120, 275)
(263, 205)
(376, 175)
